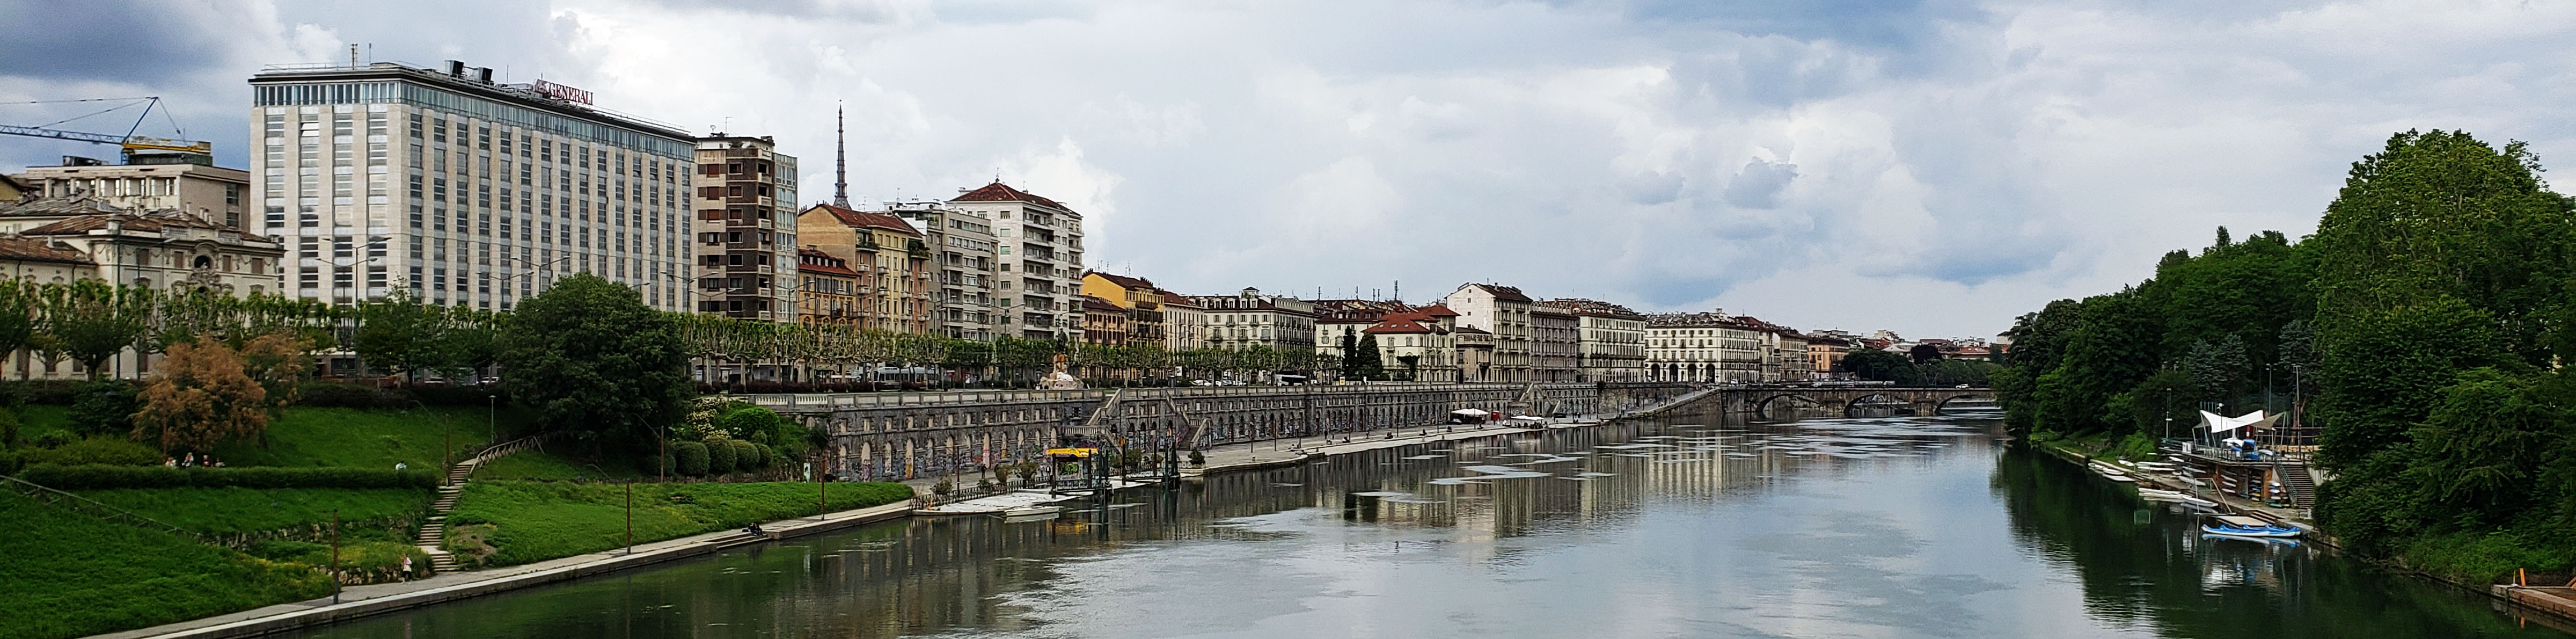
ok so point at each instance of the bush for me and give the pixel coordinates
(100, 476)
(752, 423)
(49, 392)
(104, 408)
(333, 395)
(748, 456)
(767, 456)
(655, 464)
(690, 458)
(55, 439)
(720, 456)
(112, 451)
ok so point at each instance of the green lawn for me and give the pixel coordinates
(310, 436)
(235, 510)
(559, 464)
(505, 522)
(67, 574)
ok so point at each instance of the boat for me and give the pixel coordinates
(1036, 512)
(2111, 473)
(2177, 497)
(2234, 526)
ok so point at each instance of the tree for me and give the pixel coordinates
(200, 396)
(18, 307)
(593, 361)
(278, 361)
(94, 321)
(1882, 366)
(1371, 363)
(400, 334)
(2218, 369)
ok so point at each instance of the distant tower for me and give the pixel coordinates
(840, 159)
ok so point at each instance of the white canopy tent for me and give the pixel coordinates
(2219, 423)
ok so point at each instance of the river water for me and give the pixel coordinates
(1688, 527)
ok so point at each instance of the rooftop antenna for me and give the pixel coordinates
(1399, 290)
(353, 56)
(840, 158)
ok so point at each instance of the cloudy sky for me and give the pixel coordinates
(1934, 167)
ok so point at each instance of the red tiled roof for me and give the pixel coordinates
(1124, 281)
(1396, 324)
(1176, 299)
(865, 219)
(27, 249)
(999, 192)
(1438, 310)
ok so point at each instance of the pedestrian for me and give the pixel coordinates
(406, 565)
(398, 467)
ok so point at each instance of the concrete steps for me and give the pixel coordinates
(433, 531)
(2302, 486)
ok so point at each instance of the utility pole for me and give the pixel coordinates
(630, 516)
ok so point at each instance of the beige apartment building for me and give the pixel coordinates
(1504, 312)
(211, 193)
(1039, 248)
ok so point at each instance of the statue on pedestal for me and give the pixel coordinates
(1059, 380)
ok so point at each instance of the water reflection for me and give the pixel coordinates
(1698, 526)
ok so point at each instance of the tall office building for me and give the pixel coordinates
(746, 229)
(467, 191)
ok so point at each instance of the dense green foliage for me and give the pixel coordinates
(595, 363)
(515, 522)
(2426, 319)
(236, 509)
(100, 476)
(69, 575)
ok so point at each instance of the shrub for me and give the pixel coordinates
(104, 408)
(656, 463)
(97, 450)
(689, 458)
(350, 396)
(752, 423)
(720, 456)
(748, 456)
(49, 392)
(101, 476)
(768, 456)
(55, 439)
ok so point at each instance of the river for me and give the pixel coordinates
(1687, 527)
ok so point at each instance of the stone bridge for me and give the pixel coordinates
(903, 435)
(1758, 400)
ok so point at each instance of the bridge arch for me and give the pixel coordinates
(1944, 403)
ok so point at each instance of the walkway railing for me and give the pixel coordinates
(840, 401)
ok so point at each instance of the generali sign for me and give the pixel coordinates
(561, 91)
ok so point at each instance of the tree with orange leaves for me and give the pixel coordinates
(201, 395)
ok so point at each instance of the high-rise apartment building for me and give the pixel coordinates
(1039, 246)
(745, 198)
(467, 191)
(964, 247)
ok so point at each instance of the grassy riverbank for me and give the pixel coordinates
(505, 522)
(68, 575)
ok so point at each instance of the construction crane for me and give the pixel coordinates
(194, 151)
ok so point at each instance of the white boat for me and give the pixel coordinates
(2233, 526)
(1034, 512)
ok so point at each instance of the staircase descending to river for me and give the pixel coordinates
(2302, 487)
(433, 532)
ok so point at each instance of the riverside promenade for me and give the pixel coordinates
(360, 601)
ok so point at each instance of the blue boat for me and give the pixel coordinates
(2248, 527)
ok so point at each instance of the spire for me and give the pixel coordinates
(840, 159)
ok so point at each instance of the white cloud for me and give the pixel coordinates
(1952, 168)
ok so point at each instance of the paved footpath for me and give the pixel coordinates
(1268, 454)
(360, 601)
